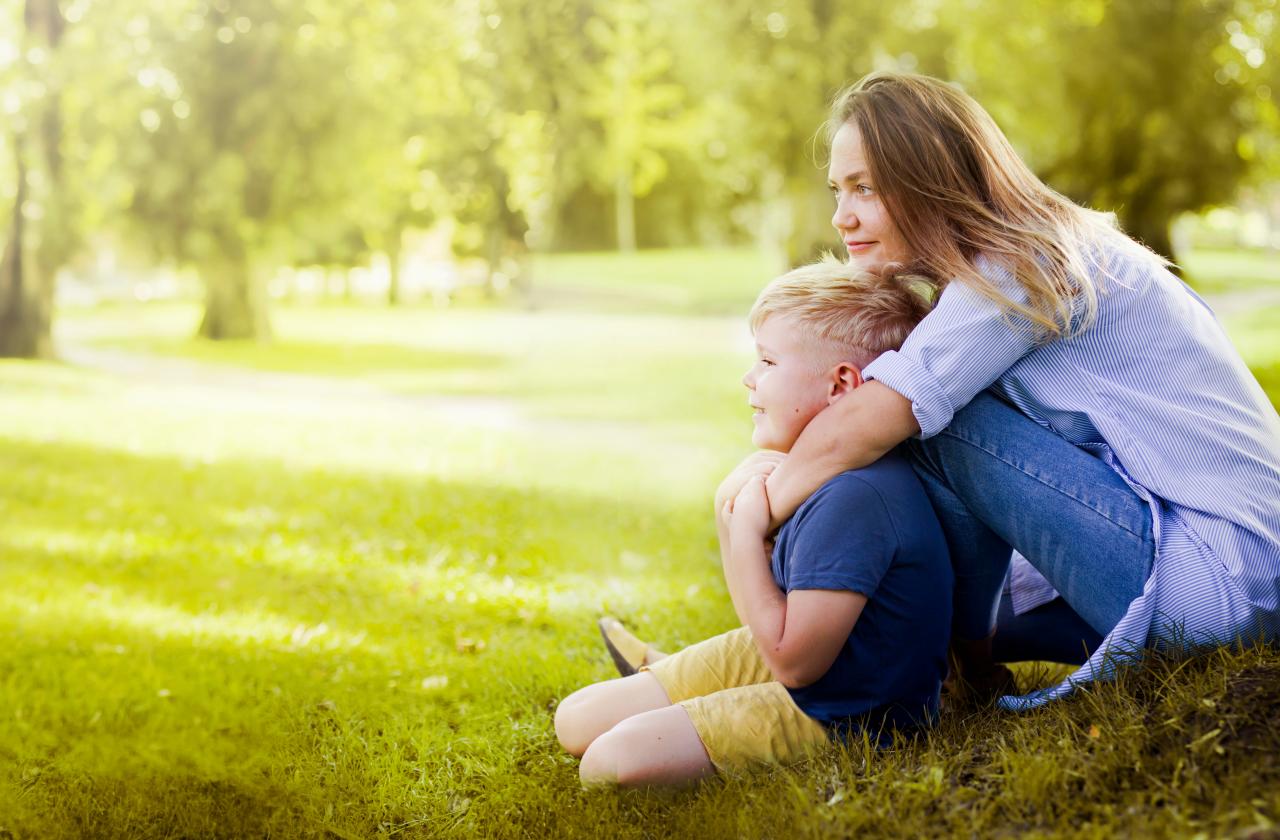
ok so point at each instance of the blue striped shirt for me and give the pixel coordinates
(1156, 390)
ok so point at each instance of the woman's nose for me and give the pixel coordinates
(844, 218)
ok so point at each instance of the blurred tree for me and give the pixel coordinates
(518, 144)
(41, 233)
(543, 139)
(241, 135)
(248, 107)
(1157, 118)
(765, 76)
(1148, 109)
(400, 62)
(636, 105)
(1254, 59)
(464, 160)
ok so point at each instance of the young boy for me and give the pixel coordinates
(845, 627)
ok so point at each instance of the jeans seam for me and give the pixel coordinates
(1056, 489)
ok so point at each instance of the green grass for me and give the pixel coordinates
(287, 611)
(720, 282)
(1217, 271)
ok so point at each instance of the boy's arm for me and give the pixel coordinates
(798, 634)
(760, 463)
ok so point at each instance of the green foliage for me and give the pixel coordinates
(239, 136)
(637, 107)
(1149, 110)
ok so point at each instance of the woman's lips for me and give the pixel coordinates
(858, 247)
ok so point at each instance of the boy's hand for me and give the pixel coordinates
(748, 514)
(760, 463)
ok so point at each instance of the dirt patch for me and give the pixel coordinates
(1250, 711)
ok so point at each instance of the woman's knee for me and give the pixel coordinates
(984, 413)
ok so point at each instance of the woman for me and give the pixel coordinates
(1067, 398)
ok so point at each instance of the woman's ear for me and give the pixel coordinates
(844, 378)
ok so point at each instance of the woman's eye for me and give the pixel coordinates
(864, 189)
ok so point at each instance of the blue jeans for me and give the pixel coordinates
(999, 480)
(1051, 632)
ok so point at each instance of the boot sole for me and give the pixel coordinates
(620, 662)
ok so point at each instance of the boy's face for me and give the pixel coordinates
(787, 385)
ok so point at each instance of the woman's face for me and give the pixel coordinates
(870, 236)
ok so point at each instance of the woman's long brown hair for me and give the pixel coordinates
(956, 189)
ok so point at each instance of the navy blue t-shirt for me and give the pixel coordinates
(873, 531)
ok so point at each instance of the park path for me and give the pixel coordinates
(167, 377)
(168, 380)
(1226, 304)
(144, 369)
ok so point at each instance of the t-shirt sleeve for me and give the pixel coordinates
(844, 538)
(957, 351)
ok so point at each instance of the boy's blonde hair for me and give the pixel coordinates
(861, 313)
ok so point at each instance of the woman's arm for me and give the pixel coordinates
(959, 349)
(852, 432)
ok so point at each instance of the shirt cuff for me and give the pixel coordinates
(929, 402)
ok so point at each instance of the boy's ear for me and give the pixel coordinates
(844, 378)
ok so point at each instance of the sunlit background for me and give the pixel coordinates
(242, 153)
(365, 353)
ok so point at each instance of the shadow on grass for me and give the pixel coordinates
(250, 552)
(240, 648)
(166, 675)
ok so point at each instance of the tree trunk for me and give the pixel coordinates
(393, 268)
(811, 233)
(625, 213)
(25, 305)
(1150, 227)
(39, 238)
(235, 301)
